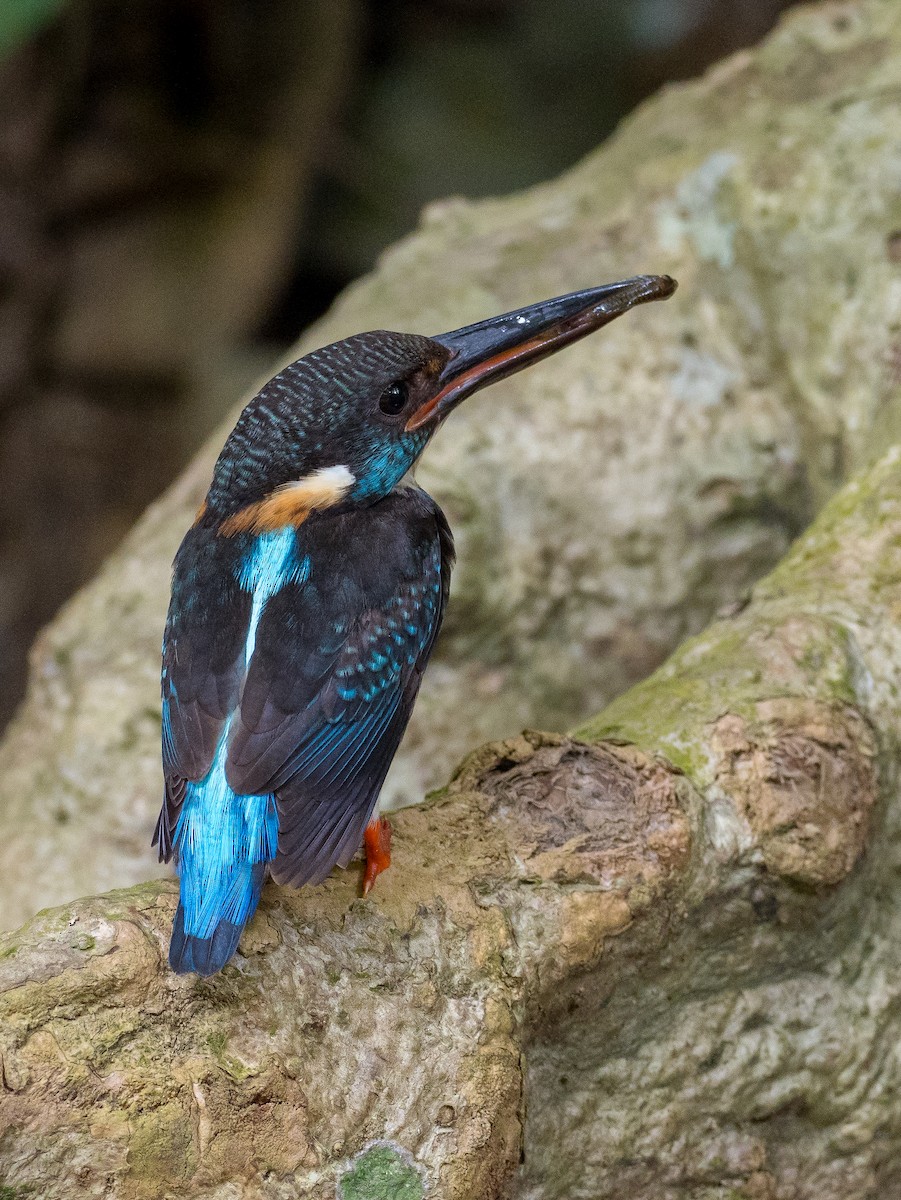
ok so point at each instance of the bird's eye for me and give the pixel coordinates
(393, 398)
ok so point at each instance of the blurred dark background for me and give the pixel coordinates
(185, 184)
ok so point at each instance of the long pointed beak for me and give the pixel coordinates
(493, 349)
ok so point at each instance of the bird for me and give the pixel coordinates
(306, 599)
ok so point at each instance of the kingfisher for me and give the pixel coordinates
(306, 600)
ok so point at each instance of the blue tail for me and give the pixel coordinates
(207, 955)
(222, 845)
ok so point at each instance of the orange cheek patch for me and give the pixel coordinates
(291, 504)
(275, 512)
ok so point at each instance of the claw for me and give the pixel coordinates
(377, 840)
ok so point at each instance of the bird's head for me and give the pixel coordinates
(341, 426)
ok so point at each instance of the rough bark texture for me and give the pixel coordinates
(659, 956)
(605, 503)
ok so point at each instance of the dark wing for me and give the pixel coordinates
(203, 664)
(336, 667)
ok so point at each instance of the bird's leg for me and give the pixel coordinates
(377, 840)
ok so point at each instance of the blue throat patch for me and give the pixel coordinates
(385, 465)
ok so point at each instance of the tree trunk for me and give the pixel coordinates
(606, 503)
(654, 959)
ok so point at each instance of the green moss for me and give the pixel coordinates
(731, 668)
(714, 673)
(857, 513)
(120, 904)
(234, 1068)
(382, 1173)
(217, 1042)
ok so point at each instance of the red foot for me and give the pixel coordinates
(377, 840)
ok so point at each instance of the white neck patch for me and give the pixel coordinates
(340, 478)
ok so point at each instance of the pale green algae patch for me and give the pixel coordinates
(725, 670)
(382, 1173)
